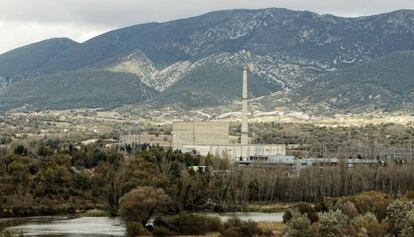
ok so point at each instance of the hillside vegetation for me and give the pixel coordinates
(212, 84)
(27, 61)
(386, 83)
(88, 88)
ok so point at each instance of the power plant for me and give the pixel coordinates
(214, 138)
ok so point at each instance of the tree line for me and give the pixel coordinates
(44, 179)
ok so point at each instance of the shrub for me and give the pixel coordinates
(44, 151)
(369, 225)
(321, 207)
(410, 195)
(397, 213)
(332, 223)
(348, 208)
(309, 210)
(374, 202)
(299, 226)
(136, 229)
(190, 224)
(408, 225)
(7, 233)
(241, 228)
(304, 207)
(231, 232)
(161, 231)
(96, 213)
(287, 216)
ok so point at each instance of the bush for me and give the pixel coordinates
(299, 226)
(231, 232)
(44, 151)
(397, 213)
(369, 225)
(410, 195)
(348, 208)
(374, 202)
(287, 216)
(11, 234)
(332, 223)
(190, 224)
(96, 213)
(408, 229)
(136, 229)
(161, 231)
(304, 208)
(322, 206)
(308, 210)
(237, 227)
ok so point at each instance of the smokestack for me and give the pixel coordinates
(245, 111)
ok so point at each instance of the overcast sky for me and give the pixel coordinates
(27, 21)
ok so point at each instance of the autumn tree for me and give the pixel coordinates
(141, 203)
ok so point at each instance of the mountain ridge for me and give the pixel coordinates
(283, 49)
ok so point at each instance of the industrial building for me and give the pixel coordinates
(213, 137)
(200, 133)
(237, 152)
(292, 162)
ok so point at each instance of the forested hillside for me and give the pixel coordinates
(383, 84)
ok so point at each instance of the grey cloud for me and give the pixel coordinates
(127, 12)
(41, 19)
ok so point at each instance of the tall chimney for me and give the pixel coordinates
(245, 111)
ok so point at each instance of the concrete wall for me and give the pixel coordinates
(202, 133)
(234, 151)
(164, 140)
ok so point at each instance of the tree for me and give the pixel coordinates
(141, 203)
(44, 151)
(20, 150)
(108, 183)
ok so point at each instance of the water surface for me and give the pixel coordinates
(75, 226)
(64, 226)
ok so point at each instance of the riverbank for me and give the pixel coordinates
(16, 212)
(268, 207)
(46, 226)
(96, 211)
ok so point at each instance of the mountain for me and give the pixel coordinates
(383, 84)
(193, 61)
(88, 88)
(26, 61)
(211, 85)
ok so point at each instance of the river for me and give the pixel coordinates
(75, 226)
(68, 226)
